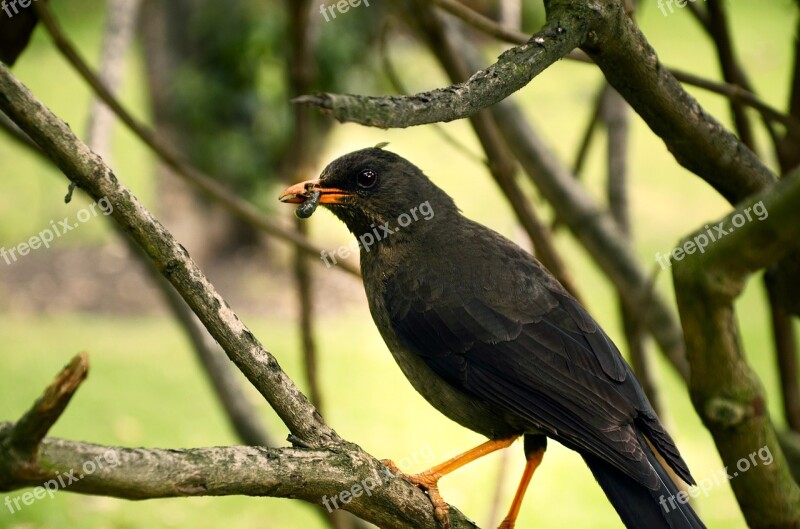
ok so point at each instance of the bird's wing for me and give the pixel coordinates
(538, 355)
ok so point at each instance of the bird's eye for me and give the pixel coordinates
(367, 178)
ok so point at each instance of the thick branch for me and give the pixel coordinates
(697, 140)
(309, 475)
(91, 174)
(726, 392)
(205, 471)
(222, 375)
(611, 38)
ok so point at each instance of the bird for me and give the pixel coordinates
(491, 339)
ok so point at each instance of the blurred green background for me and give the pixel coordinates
(146, 388)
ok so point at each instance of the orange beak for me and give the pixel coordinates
(298, 193)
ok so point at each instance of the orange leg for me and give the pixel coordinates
(534, 459)
(429, 479)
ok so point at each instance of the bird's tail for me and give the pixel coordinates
(640, 507)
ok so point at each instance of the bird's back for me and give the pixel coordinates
(466, 312)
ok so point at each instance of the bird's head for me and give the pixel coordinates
(371, 187)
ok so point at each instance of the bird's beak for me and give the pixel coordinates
(298, 193)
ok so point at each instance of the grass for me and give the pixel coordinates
(145, 388)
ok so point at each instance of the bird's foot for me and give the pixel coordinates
(427, 481)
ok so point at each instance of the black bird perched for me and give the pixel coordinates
(492, 340)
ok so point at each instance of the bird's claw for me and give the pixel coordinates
(428, 482)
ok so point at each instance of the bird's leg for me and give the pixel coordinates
(429, 479)
(535, 446)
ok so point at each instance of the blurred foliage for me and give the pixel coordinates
(231, 98)
(145, 387)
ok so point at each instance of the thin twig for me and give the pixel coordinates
(37, 421)
(303, 153)
(615, 115)
(121, 18)
(785, 344)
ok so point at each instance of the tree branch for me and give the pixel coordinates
(725, 391)
(696, 140)
(732, 71)
(515, 68)
(785, 343)
(297, 473)
(611, 38)
(29, 431)
(121, 16)
(27, 459)
(731, 91)
(244, 421)
(90, 173)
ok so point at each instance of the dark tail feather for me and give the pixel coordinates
(640, 507)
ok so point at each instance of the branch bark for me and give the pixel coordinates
(241, 414)
(608, 35)
(297, 473)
